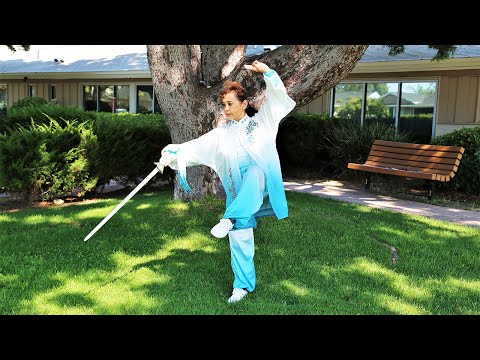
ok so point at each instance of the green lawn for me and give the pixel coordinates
(156, 256)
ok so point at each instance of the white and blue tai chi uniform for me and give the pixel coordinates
(244, 155)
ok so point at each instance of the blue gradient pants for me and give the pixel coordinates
(241, 210)
(249, 199)
(242, 250)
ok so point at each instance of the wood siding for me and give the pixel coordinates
(458, 100)
(319, 105)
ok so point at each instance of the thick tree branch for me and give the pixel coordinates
(306, 70)
(219, 60)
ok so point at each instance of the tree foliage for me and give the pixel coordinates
(352, 109)
(14, 49)
(443, 51)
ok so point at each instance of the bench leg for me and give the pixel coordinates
(432, 190)
(368, 181)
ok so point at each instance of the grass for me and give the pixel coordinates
(156, 256)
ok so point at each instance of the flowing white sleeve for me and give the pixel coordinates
(278, 103)
(199, 151)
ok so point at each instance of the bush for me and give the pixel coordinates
(42, 114)
(346, 141)
(129, 144)
(298, 141)
(48, 160)
(29, 101)
(419, 126)
(467, 178)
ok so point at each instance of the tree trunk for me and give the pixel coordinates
(188, 78)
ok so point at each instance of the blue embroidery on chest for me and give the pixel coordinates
(249, 129)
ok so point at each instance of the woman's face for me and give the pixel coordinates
(232, 107)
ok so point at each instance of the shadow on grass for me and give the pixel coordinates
(156, 256)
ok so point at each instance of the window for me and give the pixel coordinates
(3, 98)
(146, 101)
(53, 92)
(409, 106)
(106, 98)
(348, 101)
(32, 90)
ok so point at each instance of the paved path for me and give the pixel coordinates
(335, 190)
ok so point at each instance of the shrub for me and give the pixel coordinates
(48, 160)
(419, 126)
(298, 140)
(468, 175)
(346, 141)
(42, 114)
(129, 144)
(29, 101)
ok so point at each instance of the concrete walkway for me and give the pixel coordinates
(336, 190)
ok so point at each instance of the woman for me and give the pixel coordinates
(244, 155)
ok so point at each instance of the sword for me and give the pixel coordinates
(129, 196)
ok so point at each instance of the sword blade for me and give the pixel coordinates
(129, 196)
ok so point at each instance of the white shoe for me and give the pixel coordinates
(237, 295)
(222, 228)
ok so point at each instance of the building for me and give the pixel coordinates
(97, 77)
(117, 79)
(411, 83)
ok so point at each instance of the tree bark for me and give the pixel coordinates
(188, 78)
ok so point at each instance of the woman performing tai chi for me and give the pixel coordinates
(244, 155)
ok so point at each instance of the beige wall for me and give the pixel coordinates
(318, 106)
(458, 100)
(69, 92)
(443, 129)
(15, 91)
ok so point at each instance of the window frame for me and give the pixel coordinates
(401, 83)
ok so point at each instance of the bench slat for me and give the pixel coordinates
(435, 160)
(420, 146)
(417, 164)
(404, 167)
(381, 170)
(426, 153)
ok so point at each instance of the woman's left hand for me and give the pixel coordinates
(257, 66)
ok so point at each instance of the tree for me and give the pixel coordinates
(188, 78)
(380, 88)
(352, 109)
(24, 47)
(427, 89)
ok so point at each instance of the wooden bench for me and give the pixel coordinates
(429, 162)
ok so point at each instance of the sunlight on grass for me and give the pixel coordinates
(81, 295)
(46, 219)
(98, 212)
(129, 281)
(193, 242)
(454, 285)
(295, 289)
(400, 307)
(5, 279)
(5, 218)
(390, 231)
(177, 208)
(143, 206)
(397, 281)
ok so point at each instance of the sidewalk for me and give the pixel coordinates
(334, 190)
